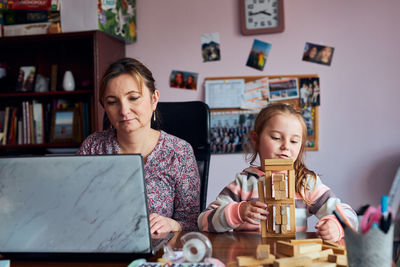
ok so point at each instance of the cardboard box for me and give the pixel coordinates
(115, 17)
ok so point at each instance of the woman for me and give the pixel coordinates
(129, 97)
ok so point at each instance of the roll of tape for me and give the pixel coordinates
(196, 247)
(194, 250)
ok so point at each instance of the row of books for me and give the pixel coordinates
(35, 123)
(26, 17)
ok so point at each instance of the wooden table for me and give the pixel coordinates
(226, 246)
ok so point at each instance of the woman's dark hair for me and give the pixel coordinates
(137, 70)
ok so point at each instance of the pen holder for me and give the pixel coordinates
(375, 248)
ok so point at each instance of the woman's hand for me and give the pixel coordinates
(251, 210)
(160, 224)
(328, 230)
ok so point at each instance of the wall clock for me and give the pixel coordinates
(261, 16)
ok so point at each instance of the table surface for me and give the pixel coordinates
(226, 247)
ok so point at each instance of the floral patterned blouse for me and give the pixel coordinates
(171, 175)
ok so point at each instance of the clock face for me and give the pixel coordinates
(261, 16)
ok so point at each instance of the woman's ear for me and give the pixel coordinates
(254, 139)
(154, 98)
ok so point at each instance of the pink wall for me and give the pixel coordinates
(359, 117)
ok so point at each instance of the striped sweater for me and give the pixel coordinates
(223, 214)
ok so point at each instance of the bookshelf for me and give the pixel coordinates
(86, 54)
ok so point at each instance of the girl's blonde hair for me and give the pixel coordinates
(300, 169)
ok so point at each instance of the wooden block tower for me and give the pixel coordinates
(278, 191)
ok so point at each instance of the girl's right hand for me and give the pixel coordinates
(251, 210)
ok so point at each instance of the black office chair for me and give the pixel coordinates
(189, 121)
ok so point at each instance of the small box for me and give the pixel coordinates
(26, 29)
(118, 20)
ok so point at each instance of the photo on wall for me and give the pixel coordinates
(210, 48)
(183, 80)
(310, 92)
(230, 130)
(318, 54)
(283, 88)
(258, 55)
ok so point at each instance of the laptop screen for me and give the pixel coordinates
(73, 204)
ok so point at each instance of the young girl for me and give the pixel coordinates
(279, 132)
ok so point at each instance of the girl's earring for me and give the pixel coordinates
(154, 115)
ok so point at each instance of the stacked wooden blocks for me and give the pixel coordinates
(277, 191)
(309, 252)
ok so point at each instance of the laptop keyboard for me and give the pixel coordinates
(181, 264)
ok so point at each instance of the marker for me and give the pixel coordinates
(386, 217)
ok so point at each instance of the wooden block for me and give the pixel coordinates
(338, 259)
(278, 218)
(277, 228)
(291, 184)
(282, 185)
(336, 250)
(251, 261)
(319, 255)
(322, 264)
(231, 264)
(261, 198)
(283, 210)
(278, 177)
(306, 241)
(293, 261)
(334, 244)
(262, 251)
(311, 247)
(287, 248)
(278, 195)
(268, 185)
(283, 229)
(278, 168)
(269, 162)
(284, 219)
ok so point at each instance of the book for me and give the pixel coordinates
(29, 4)
(38, 122)
(6, 118)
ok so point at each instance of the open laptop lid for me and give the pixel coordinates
(66, 207)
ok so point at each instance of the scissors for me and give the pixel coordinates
(371, 215)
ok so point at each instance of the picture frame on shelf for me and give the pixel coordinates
(63, 126)
(26, 79)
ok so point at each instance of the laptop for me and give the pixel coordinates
(74, 207)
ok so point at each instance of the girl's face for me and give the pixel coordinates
(128, 107)
(281, 138)
(313, 52)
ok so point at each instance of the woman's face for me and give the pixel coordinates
(313, 52)
(129, 108)
(179, 78)
(326, 53)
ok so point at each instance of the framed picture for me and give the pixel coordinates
(62, 129)
(26, 79)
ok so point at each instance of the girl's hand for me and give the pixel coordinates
(160, 224)
(251, 210)
(328, 230)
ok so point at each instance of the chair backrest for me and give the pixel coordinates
(189, 121)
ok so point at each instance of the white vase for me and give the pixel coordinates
(68, 81)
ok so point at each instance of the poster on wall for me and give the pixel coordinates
(118, 18)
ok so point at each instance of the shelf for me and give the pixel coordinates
(46, 94)
(86, 54)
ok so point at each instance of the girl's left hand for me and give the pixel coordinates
(328, 230)
(160, 224)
